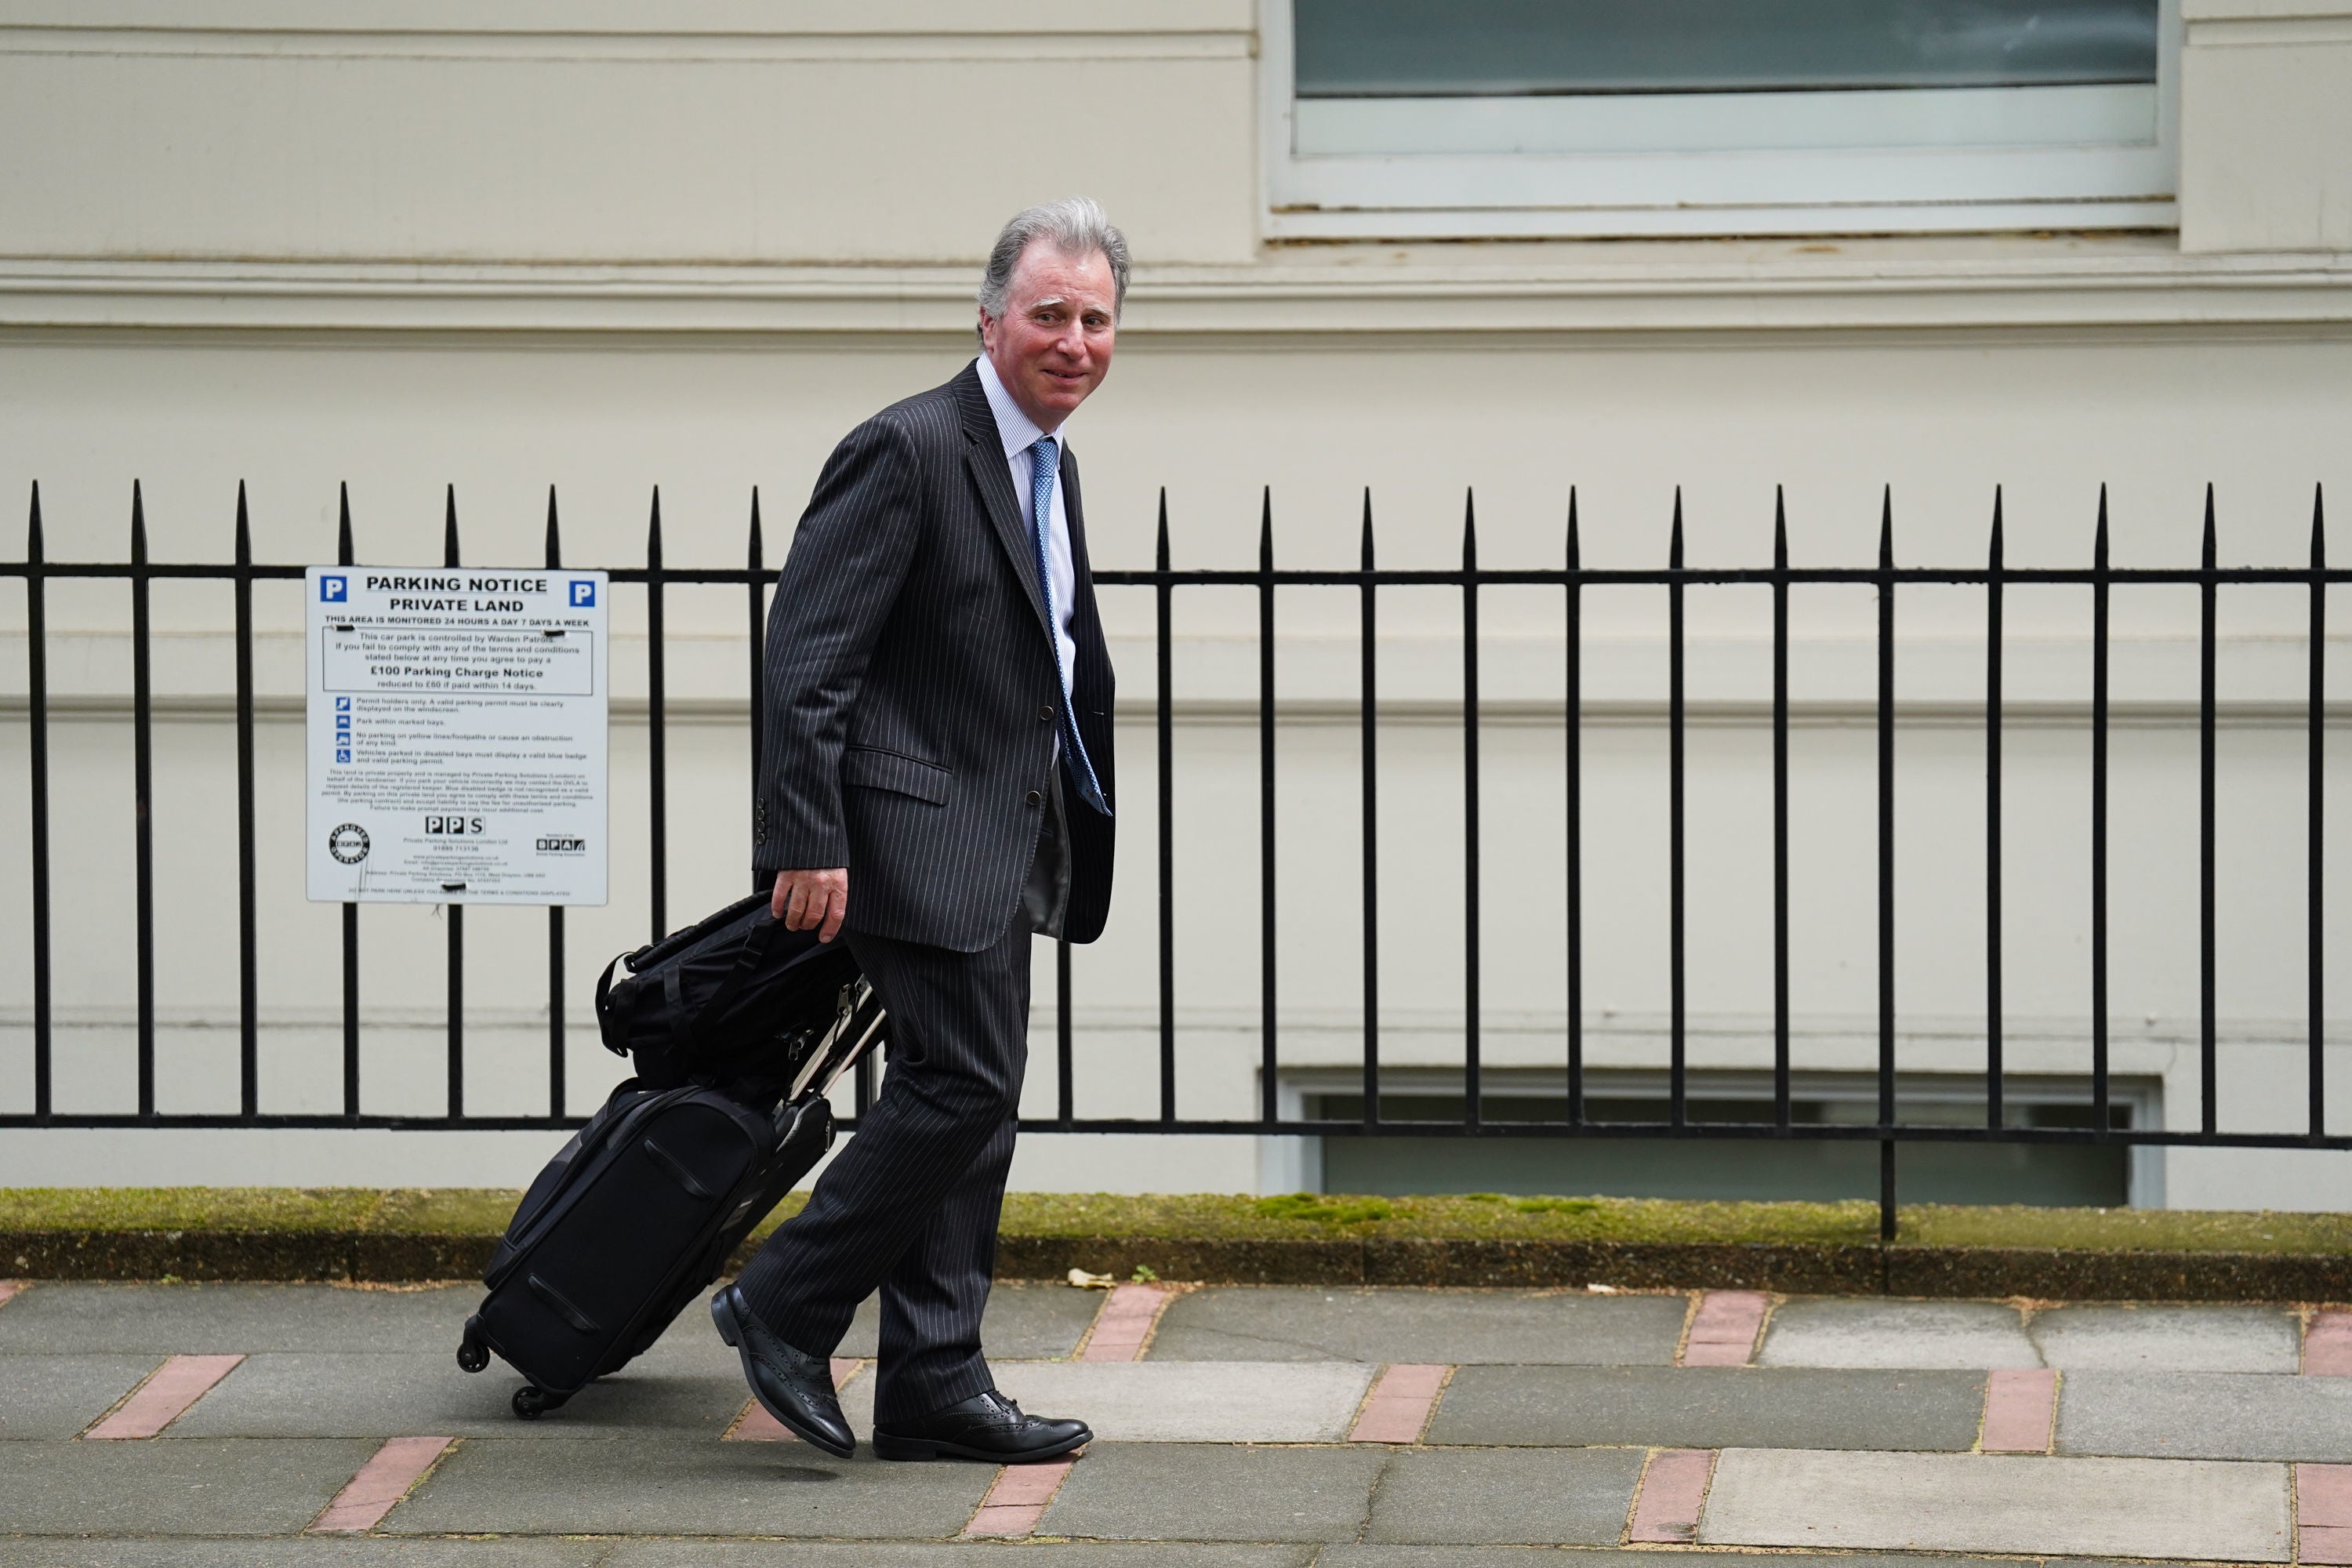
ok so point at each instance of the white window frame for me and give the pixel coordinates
(1644, 188)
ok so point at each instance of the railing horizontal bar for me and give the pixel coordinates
(1761, 576)
(1826, 1132)
(1387, 577)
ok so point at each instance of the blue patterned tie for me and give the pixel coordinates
(1045, 463)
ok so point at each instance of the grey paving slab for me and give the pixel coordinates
(2168, 1338)
(1173, 1402)
(1152, 1492)
(1378, 1556)
(1529, 1496)
(2206, 1416)
(170, 1486)
(316, 1551)
(191, 1319)
(661, 1486)
(1286, 1323)
(1710, 1407)
(1834, 1333)
(1988, 1502)
(1025, 1320)
(940, 1554)
(357, 1396)
(1611, 1557)
(58, 1396)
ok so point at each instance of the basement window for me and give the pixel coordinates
(1471, 119)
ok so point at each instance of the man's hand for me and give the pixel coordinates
(812, 901)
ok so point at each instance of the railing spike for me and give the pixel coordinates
(1160, 550)
(2099, 540)
(2318, 527)
(554, 537)
(1575, 545)
(1469, 530)
(2209, 551)
(449, 528)
(1886, 528)
(1780, 530)
(1996, 551)
(138, 526)
(1675, 544)
(33, 527)
(343, 555)
(756, 557)
(244, 529)
(1265, 530)
(653, 532)
(1365, 547)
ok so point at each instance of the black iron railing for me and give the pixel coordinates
(1572, 579)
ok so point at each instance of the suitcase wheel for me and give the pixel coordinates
(530, 1401)
(473, 1352)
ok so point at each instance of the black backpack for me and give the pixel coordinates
(735, 995)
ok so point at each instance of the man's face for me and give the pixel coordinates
(1051, 346)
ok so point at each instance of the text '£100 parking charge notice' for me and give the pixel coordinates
(457, 722)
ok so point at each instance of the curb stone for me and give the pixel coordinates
(1908, 1270)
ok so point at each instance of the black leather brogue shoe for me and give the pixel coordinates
(791, 1386)
(987, 1426)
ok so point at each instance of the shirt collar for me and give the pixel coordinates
(1014, 428)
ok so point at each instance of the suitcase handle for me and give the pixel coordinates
(563, 1308)
(678, 1171)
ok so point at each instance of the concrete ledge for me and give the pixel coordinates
(1903, 1269)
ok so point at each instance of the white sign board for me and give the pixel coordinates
(457, 735)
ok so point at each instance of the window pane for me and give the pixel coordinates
(1485, 48)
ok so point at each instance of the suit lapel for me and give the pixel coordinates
(984, 455)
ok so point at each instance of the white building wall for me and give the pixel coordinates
(504, 247)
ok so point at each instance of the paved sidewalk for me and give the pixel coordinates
(1341, 1428)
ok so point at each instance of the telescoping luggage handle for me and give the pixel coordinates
(853, 1009)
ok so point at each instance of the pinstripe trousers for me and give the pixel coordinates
(910, 1204)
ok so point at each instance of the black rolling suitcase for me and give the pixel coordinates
(641, 1210)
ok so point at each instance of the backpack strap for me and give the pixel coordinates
(747, 965)
(604, 991)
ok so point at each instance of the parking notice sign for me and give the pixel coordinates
(457, 732)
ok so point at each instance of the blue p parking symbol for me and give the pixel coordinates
(583, 594)
(334, 591)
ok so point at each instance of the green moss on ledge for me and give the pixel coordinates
(257, 1233)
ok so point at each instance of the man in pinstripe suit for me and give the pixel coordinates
(935, 787)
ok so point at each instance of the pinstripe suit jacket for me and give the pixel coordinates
(912, 699)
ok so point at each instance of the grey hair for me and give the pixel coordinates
(1076, 225)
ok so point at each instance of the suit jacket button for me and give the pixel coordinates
(1046, 713)
(1037, 797)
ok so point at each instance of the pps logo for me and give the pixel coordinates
(560, 843)
(348, 844)
(449, 826)
(583, 593)
(334, 590)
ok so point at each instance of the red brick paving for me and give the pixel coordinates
(381, 1482)
(2021, 1403)
(1673, 1488)
(1724, 1332)
(1018, 1499)
(165, 1396)
(2327, 1345)
(1125, 1322)
(1399, 1405)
